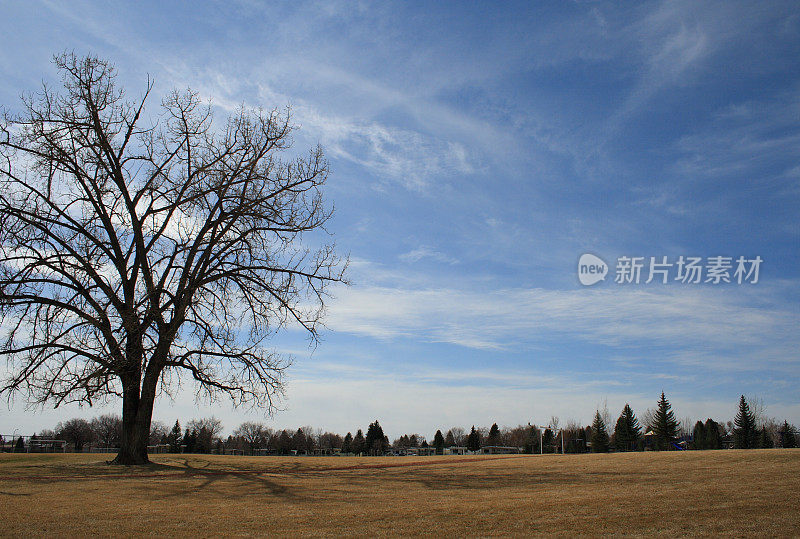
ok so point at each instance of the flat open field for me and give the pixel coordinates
(705, 492)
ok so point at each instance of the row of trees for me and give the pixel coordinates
(661, 431)
(105, 431)
(664, 431)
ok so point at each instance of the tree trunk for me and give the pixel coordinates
(137, 412)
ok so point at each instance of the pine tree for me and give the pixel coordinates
(699, 436)
(745, 435)
(474, 440)
(787, 435)
(764, 439)
(665, 426)
(376, 443)
(547, 441)
(713, 437)
(347, 443)
(359, 444)
(621, 435)
(494, 435)
(599, 434)
(449, 440)
(190, 441)
(174, 438)
(438, 442)
(627, 432)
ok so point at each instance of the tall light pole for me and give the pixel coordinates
(541, 438)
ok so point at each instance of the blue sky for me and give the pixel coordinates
(478, 149)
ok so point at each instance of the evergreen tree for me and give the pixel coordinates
(474, 440)
(359, 444)
(699, 436)
(376, 442)
(438, 442)
(745, 435)
(531, 444)
(764, 439)
(599, 434)
(494, 435)
(713, 437)
(449, 440)
(299, 440)
(19, 447)
(174, 438)
(347, 443)
(189, 441)
(627, 432)
(284, 442)
(547, 440)
(665, 426)
(787, 435)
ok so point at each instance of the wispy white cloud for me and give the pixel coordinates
(415, 255)
(405, 156)
(679, 317)
(756, 137)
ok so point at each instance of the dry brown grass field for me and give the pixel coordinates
(676, 493)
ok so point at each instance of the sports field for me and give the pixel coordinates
(753, 492)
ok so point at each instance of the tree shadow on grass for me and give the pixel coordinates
(173, 479)
(482, 481)
(250, 482)
(4, 493)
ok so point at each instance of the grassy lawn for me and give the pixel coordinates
(709, 492)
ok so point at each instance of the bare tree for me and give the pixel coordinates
(459, 435)
(255, 435)
(758, 409)
(648, 418)
(76, 431)
(131, 253)
(329, 441)
(686, 426)
(158, 433)
(107, 429)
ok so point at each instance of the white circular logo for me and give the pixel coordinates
(591, 269)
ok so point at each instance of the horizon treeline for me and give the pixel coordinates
(658, 430)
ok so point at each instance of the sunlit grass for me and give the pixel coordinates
(713, 492)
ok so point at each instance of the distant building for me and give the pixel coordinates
(420, 451)
(499, 450)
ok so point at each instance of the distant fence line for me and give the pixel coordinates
(17, 443)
